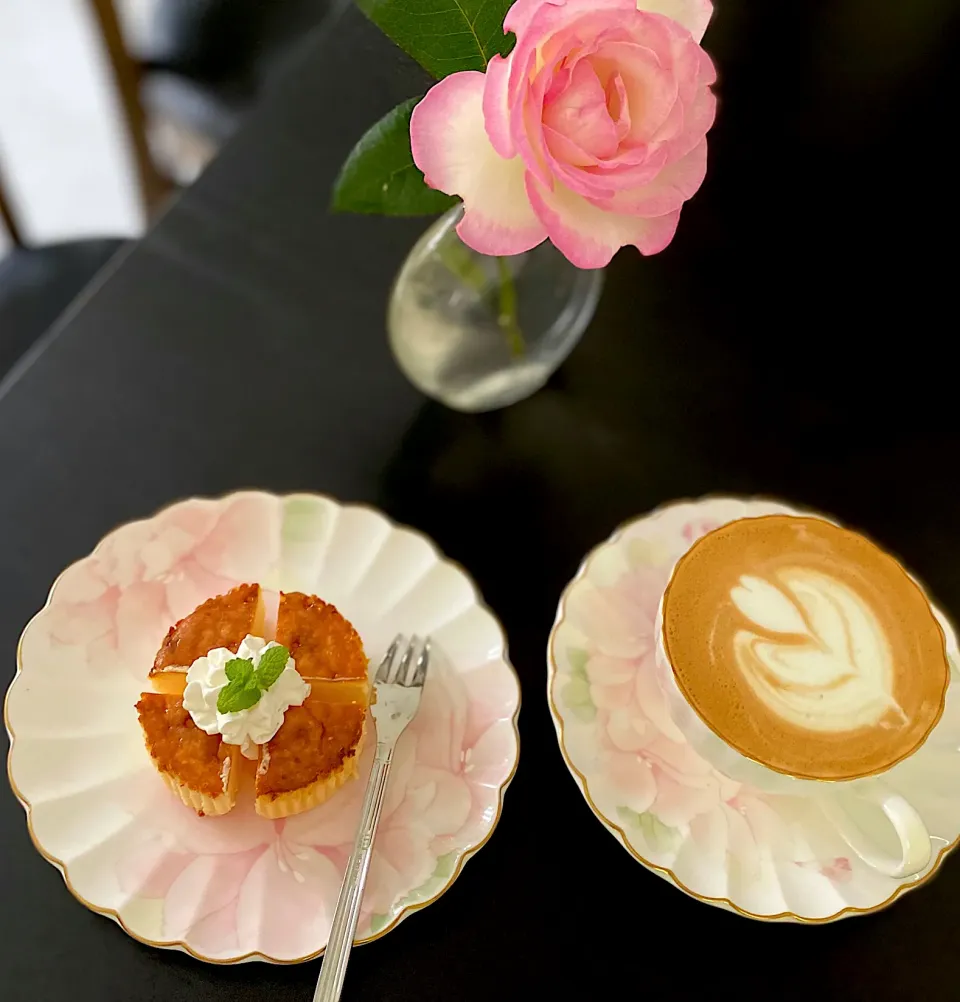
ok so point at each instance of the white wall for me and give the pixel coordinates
(68, 167)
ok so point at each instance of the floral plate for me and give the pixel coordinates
(762, 855)
(242, 887)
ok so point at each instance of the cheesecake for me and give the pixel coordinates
(219, 622)
(323, 643)
(199, 768)
(318, 745)
(315, 749)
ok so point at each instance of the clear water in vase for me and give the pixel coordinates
(449, 318)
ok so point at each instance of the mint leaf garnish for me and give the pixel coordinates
(238, 695)
(247, 684)
(272, 662)
(238, 668)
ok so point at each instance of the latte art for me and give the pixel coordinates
(804, 646)
(821, 659)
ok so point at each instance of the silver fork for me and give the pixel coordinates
(398, 686)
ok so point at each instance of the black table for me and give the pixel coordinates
(792, 341)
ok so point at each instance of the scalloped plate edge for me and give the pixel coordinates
(180, 945)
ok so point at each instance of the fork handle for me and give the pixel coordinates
(330, 982)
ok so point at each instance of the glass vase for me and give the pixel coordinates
(477, 332)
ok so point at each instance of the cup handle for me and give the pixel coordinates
(911, 831)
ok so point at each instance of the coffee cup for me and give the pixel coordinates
(799, 658)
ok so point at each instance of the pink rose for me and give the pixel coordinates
(592, 132)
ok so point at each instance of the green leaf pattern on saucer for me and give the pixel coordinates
(766, 856)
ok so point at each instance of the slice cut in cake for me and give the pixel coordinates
(219, 622)
(318, 746)
(315, 752)
(200, 769)
(322, 642)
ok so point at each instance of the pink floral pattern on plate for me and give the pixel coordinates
(242, 887)
(764, 856)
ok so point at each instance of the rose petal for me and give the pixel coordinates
(555, 13)
(450, 145)
(589, 236)
(697, 119)
(580, 113)
(496, 108)
(566, 160)
(604, 178)
(619, 105)
(535, 56)
(651, 89)
(518, 17)
(565, 151)
(694, 15)
(684, 59)
(525, 100)
(667, 191)
(584, 38)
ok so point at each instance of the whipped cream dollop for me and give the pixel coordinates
(247, 728)
(818, 657)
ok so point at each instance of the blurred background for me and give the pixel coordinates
(107, 104)
(107, 107)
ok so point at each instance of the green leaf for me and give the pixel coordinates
(238, 668)
(238, 695)
(380, 176)
(577, 658)
(444, 36)
(658, 836)
(446, 864)
(272, 662)
(576, 694)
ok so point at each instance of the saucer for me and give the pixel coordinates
(241, 887)
(766, 856)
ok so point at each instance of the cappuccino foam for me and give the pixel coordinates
(805, 646)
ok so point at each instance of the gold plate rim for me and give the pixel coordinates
(615, 829)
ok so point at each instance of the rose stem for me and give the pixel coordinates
(508, 309)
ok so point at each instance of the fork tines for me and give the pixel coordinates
(405, 663)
